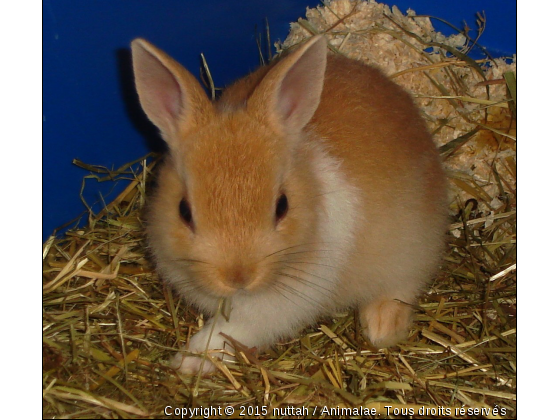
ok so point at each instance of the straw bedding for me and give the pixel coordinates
(109, 325)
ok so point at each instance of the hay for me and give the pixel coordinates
(109, 326)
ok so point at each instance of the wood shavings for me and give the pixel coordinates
(456, 94)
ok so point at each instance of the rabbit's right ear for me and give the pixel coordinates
(170, 96)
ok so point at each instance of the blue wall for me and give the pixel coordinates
(89, 105)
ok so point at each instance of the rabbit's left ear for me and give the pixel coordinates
(290, 93)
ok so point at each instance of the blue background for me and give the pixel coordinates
(90, 110)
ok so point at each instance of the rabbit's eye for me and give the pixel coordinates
(185, 212)
(281, 207)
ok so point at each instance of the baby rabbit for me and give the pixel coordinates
(311, 185)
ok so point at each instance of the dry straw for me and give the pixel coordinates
(109, 325)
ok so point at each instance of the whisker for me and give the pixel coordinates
(188, 260)
(279, 289)
(312, 251)
(309, 252)
(305, 262)
(297, 246)
(308, 283)
(275, 287)
(192, 287)
(285, 249)
(314, 275)
(297, 293)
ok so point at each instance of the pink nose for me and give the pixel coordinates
(239, 278)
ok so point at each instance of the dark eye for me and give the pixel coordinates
(185, 212)
(281, 207)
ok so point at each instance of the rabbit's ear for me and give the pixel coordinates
(290, 93)
(170, 96)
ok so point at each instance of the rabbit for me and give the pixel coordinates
(312, 185)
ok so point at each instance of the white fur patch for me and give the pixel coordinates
(341, 205)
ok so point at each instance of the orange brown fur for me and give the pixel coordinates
(347, 147)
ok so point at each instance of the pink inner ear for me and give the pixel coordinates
(289, 98)
(292, 92)
(299, 92)
(170, 93)
(158, 88)
(164, 88)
